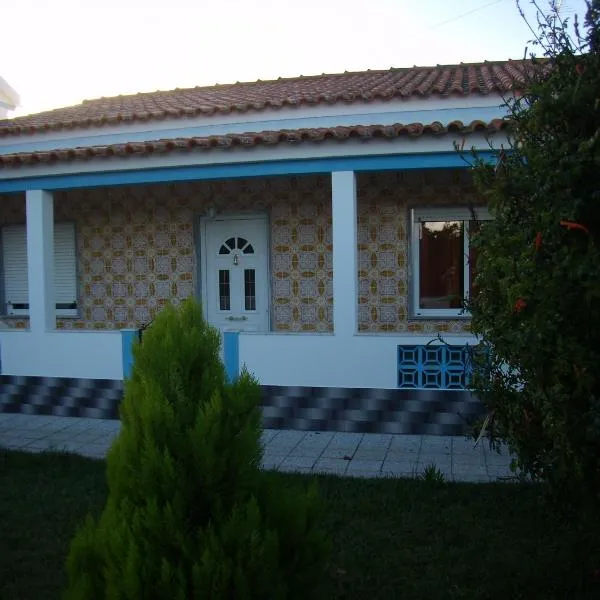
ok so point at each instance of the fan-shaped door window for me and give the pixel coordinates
(236, 243)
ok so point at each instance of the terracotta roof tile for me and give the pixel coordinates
(463, 80)
(251, 139)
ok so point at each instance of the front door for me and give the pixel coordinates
(236, 291)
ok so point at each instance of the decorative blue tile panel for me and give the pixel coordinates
(439, 367)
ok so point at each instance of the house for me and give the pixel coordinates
(323, 221)
(9, 99)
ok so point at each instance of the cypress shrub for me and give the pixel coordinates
(189, 513)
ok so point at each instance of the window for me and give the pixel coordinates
(224, 290)
(249, 289)
(236, 243)
(14, 262)
(442, 261)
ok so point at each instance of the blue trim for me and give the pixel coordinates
(397, 162)
(231, 352)
(128, 339)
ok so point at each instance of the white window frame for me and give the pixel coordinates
(420, 215)
(8, 309)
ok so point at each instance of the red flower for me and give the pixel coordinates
(580, 69)
(538, 241)
(520, 305)
(571, 225)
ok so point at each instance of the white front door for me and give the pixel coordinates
(236, 290)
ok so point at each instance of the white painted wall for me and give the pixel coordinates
(78, 354)
(398, 110)
(361, 361)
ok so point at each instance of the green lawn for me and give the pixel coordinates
(392, 538)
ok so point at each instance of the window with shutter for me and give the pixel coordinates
(14, 257)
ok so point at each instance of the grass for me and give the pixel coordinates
(409, 539)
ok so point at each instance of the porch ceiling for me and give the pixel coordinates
(251, 139)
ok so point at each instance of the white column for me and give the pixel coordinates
(345, 254)
(40, 260)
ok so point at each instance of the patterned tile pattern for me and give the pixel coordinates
(97, 398)
(384, 200)
(136, 247)
(436, 412)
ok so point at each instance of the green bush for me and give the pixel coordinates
(189, 513)
(538, 268)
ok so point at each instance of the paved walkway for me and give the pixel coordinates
(350, 454)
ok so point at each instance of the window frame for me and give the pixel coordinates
(440, 214)
(60, 312)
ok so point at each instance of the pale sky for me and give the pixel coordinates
(58, 52)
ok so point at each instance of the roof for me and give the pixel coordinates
(366, 86)
(249, 140)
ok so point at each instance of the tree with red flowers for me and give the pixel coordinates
(538, 267)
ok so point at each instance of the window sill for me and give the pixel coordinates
(71, 316)
(440, 317)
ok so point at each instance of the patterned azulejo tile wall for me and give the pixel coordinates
(383, 244)
(136, 246)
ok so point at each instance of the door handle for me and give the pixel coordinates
(230, 318)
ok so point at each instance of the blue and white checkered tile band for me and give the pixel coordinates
(363, 410)
(59, 396)
(429, 411)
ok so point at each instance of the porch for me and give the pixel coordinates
(340, 345)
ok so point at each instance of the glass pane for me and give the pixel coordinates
(224, 290)
(248, 249)
(230, 243)
(241, 242)
(224, 250)
(441, 264)
(250, 289)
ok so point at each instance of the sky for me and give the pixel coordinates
(59, 52)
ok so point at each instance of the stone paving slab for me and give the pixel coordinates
(339, 453)
(399, 468)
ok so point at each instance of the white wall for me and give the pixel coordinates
(362, 361)
(79, 354)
